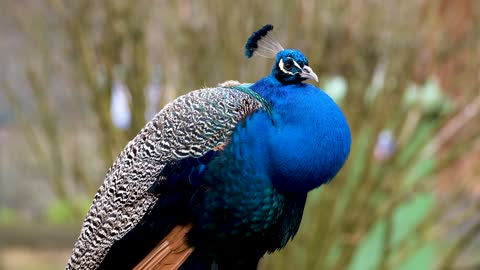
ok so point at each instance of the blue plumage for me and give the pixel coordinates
(316, 131)
(247, 198)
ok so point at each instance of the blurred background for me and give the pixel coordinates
(78, 80)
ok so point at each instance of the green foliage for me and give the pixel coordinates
(8, 216)
(60, 212)
(67, 211)
(409, 214)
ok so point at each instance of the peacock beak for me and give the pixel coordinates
(308, 73)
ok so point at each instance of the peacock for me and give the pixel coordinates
(220, 176)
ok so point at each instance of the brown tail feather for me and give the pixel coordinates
(170, 253)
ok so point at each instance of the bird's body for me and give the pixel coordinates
(235, 164)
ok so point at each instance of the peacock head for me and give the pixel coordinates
(291, 66)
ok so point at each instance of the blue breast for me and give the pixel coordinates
(309, 140)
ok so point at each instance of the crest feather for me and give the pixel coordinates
(262, 43)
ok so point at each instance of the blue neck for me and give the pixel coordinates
(310, 139)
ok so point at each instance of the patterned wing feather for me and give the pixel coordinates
(190, 126)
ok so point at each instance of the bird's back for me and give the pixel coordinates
(188, 127)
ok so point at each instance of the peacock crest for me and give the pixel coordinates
(262, 43)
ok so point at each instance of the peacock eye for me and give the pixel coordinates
(288, 64)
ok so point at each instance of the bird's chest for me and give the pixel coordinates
(240, 208)
(263, 220)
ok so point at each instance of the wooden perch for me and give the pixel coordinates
(170, 253)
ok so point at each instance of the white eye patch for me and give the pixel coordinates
(282, 67)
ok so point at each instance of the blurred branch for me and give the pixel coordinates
(49, 126)
(99, 97)
(457, 123)
(79, 171)
(123, 31)
(138, 74)
(25, 125)
(460, 246)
